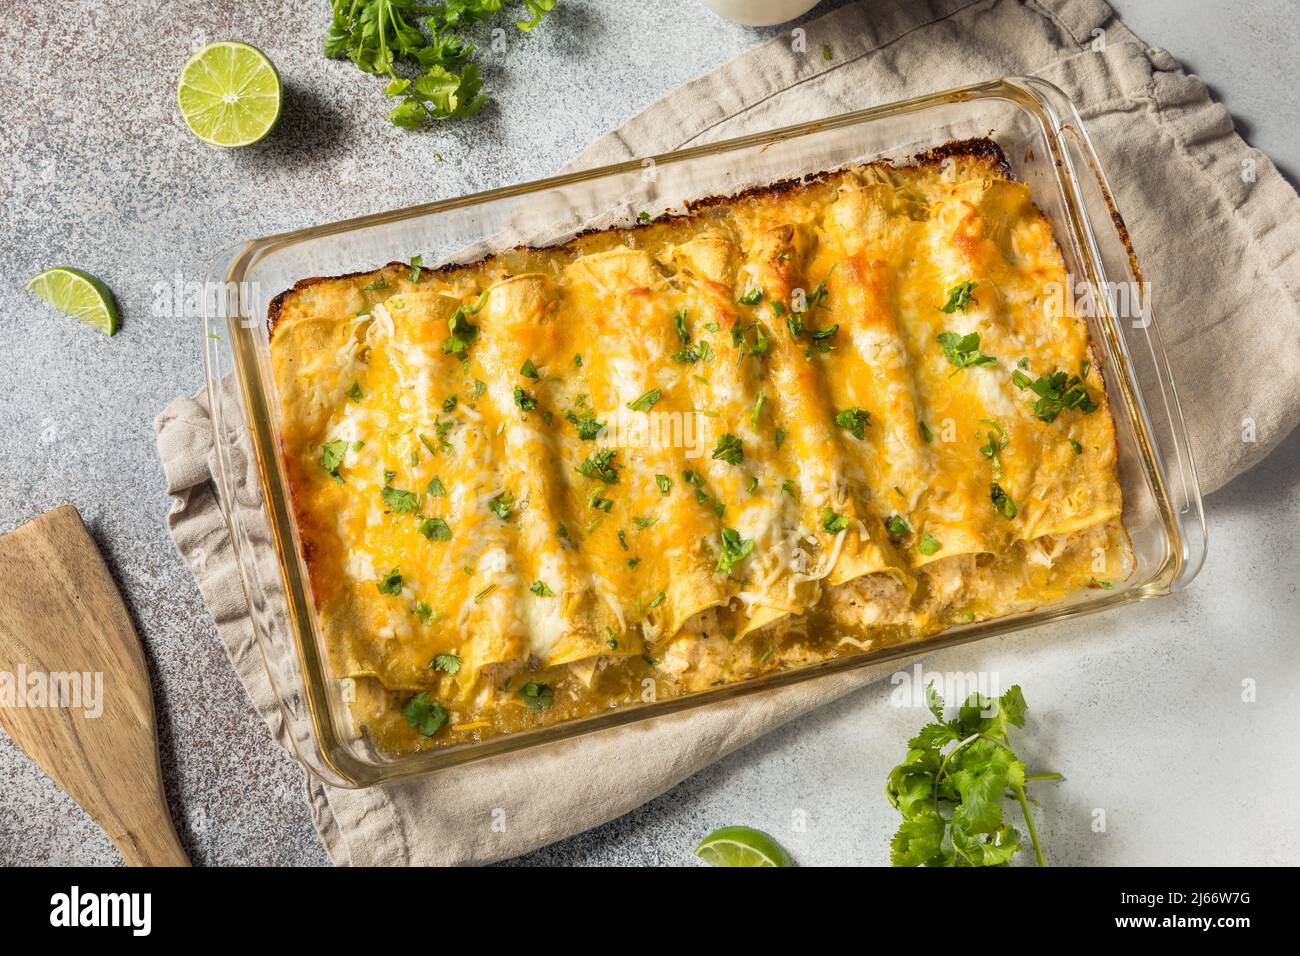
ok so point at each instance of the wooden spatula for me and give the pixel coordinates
(61, 623)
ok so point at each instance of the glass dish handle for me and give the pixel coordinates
(239, 494)
(1136, 334)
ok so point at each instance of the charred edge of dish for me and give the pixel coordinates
(978, 148)
(275, 309)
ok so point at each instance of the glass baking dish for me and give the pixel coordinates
(1045, 143)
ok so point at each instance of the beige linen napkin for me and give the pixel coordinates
(1216, 229)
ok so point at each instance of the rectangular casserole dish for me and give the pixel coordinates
(1042, 138)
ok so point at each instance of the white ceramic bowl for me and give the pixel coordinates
(760, 13)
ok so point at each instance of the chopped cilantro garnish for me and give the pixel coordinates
(788, 488)
(425, 715)
(416, 263)
(502, 505)
(447, 663)
(436, 487)
(354, 392)
(758, 409)
(645, 402)
(734, 550)
(540, 589)
(588, 427)
(925, 431)
(959, 298)
(657, 599)
(822, 338)
(331, 457)
(780, 437)
(643, 523)
(665, 483)
(1002, 502)
(462, 334)
(752, 485)
(435, 529)
(537, 696)
(1078, 449)
(449, 403)
(679, 323)
(854, 421)
(643, 218)
(479, 388)
(600, 465)
(398, 501)
(1056, 392)
(1100, 585)
(993, 446)
(423, 611)
(964, 350)
(929, 544)
(374, 286)
(817, 298)
(600, 504)
(728, 449)
(529, 370)
(752, 297)
(897, 526)
(739, 338)
(524, 400)
(833, 523)
(702, 351)
(391, 583)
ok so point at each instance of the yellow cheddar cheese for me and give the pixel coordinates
(804, 422)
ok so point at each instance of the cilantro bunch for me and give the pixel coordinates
(951, 787)
(378, 35)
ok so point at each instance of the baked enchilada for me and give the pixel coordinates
(791, 425)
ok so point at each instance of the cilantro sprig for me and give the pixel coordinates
(951, 787)
(378, 36)
(425, 714)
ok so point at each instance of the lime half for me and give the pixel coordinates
(229, 94)
(80, 295)
(742, 846)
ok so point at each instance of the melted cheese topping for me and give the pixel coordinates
(792, 466)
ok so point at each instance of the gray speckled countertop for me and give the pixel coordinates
(1143, 709)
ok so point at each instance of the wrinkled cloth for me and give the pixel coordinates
(1214, 225)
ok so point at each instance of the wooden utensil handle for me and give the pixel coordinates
(152, 843)
(61, 616)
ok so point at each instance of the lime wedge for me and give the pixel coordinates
(229, 94)
(80, 295)
(742, 846)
